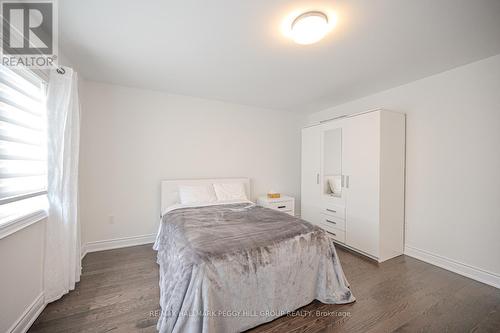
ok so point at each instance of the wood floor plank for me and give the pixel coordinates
(119, 292)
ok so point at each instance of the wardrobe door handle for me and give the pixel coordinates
(317, 178)
(342, 183)
(331, 210)
(347, 181)
(331, 221)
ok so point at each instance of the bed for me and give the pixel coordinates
(228, 267)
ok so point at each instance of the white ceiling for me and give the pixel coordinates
(233, 50)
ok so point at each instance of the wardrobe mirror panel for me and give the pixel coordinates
(332, 162)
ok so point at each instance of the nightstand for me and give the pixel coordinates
(284, 204)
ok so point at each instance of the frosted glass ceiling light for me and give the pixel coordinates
(309, 27)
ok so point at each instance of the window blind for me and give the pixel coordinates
(23, 151)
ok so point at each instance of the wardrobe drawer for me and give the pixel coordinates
(334, 210)
(336, 234)
(333, 221)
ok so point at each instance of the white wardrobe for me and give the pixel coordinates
(353, 171)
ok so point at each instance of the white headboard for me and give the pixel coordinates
(170, 188)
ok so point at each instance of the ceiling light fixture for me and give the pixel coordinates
(310, 27)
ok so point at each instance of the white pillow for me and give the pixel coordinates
(335, 184)
(230, 191)
(196, 194)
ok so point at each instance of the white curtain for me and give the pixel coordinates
(62, 247)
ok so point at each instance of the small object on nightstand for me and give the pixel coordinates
(284, 203)
(273, 195)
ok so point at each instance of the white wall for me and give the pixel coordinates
(21, 274)
(133, 138)
(453, 165)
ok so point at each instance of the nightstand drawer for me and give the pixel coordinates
(283, 205)
(333, 221)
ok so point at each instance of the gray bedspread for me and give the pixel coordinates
(227, 268)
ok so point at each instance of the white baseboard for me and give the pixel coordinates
(29, 315)
(117, 243)
(452, 265)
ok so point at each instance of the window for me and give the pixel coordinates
(23, 144)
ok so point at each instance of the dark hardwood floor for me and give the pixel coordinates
(118, 292)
